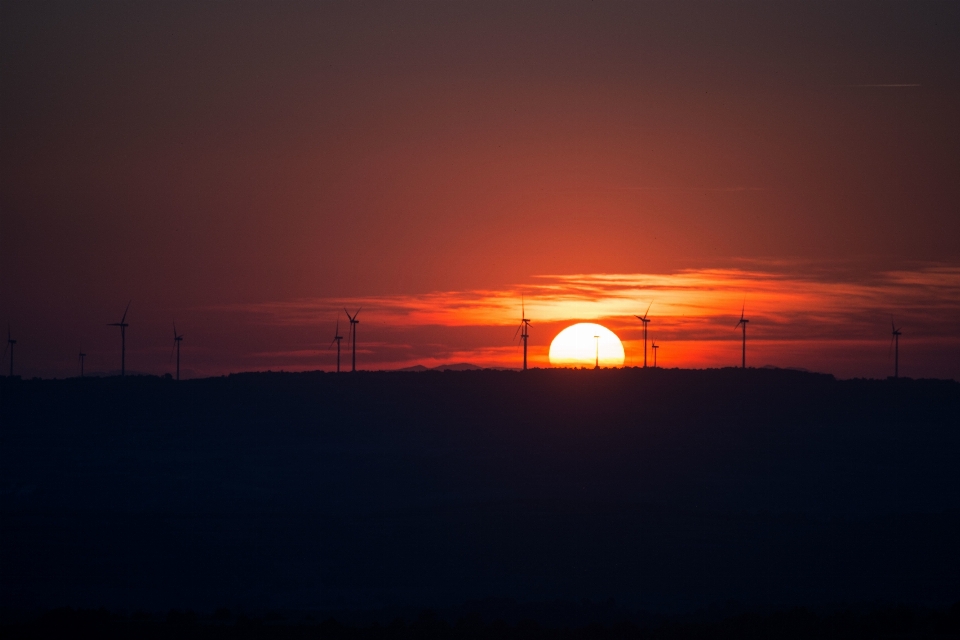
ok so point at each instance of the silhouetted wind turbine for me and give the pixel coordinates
(655, 347)
(895, 339)
(123, 339)
(337, 338)
(645, 320)
(523, 330)
(82, 356)
(597, 365)
(10, 343)
(743, 321)
(353, 336)
(176, 343)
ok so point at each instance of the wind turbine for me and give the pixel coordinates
(743, 321)
(123, 339)
(82, 356)
(176, 343)
(894, 338)
(10, 343)
(523, 330)
(597, 365)
(655, 347)
(337, 338)
(353, 336)
(645, 320)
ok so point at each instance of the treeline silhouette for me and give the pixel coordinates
(668, 490)
(893, 622)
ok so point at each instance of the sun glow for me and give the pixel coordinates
(583, 344)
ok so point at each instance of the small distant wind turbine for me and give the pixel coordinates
(645, 320)
(655, 347)
(10, 343)
(743, 321)
(523, 330)
(353, 336)
(895, 339)
(123, 339)
(82, 356)
(176, 343)
(597, 339)
(337, 338)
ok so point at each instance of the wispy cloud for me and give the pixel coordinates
(694, 310)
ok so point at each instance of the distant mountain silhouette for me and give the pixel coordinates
(115, 372)
(461, 366)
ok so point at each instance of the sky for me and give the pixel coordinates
(248, 169)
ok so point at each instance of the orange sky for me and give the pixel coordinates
(797, 320)
(240, 168)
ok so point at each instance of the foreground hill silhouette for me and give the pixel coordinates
(666, 490)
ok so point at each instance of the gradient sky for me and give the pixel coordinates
(248, 168)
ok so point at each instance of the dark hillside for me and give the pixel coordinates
(664, 489)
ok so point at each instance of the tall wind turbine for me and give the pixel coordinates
(176, 343)
(10, 343)
(895, 339)
(353, 336)
(337, 338)
(523, 330)
(123, 339)
(743, 321)
(645, 320)
(655, 347)
(597, 340)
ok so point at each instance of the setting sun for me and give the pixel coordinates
(586, 344)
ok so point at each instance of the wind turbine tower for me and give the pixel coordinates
(743, 321)
(523, 330)
(10, 343)
(597, 365)
(82, 356)
(337, 338)
(655, 347)
(176, 343)
(894, 337)
(645, 320)
(353, 336)
(123, 339)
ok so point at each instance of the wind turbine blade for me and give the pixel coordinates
(517, 331)
(648, 310)
(124, 318)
